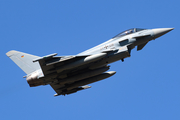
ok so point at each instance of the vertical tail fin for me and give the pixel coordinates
(24, 61)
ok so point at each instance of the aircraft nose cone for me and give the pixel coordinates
(161, 31)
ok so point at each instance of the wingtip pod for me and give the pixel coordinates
(74, 90)
(56, 95)
(111, 72)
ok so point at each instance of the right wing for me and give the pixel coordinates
(63, 89)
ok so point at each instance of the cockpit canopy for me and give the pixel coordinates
(133, 30)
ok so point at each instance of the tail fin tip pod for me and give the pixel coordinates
(24, 61)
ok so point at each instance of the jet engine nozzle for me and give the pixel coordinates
(33, 80)
(160, 31)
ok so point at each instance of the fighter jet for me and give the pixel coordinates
(69, 74)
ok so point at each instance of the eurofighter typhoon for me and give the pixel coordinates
(69, 74)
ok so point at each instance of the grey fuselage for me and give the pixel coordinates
(68, 74)
(136, 37)
(114, 45)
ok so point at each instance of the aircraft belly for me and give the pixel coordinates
(118, 57)
(110, 59)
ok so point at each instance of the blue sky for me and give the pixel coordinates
(145, 87)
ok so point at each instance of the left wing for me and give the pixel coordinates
(50, 64)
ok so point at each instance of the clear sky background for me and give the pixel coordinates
(145, 87)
